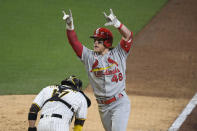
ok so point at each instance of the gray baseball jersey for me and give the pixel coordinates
(74, 98)
(107, 77)
(106, 73)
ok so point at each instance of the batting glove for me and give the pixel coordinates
(112, 20)
(69, 20)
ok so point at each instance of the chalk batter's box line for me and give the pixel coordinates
(182, 117)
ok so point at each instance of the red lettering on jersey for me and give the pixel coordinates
(110, 72)
(106, 72)
(99, 72)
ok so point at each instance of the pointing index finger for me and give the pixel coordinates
(105, 15)
(70, 13)
(63, 12)
(111, 11)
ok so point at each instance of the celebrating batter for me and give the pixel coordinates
(59, 104)
(106, 68)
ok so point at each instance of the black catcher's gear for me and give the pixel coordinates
(74, 82)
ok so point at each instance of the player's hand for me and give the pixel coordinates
(69, 20)
(112, 20)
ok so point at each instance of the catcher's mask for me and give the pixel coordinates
(105, 35)
(73, 82)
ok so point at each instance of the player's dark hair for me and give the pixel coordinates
(111, 48)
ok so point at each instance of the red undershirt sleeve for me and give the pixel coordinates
(126, 45)
(74, 42)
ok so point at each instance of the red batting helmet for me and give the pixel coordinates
(104, 34)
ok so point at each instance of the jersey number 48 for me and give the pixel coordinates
(116, 78)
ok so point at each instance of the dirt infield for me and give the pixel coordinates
(161, 75)
(164, 58)
(147, 113)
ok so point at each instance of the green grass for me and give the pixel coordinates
(34, 51)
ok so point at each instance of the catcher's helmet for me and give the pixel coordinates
(104, 34)
(74, 82)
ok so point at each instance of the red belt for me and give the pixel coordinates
(110, 100)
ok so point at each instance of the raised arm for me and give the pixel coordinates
(127, 35)
(71, 35)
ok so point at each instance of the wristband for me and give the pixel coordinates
(70, 27)
(117, 23)
(32, 129)
(120, 26)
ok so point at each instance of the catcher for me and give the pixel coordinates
(59, 104)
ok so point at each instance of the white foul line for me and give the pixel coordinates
(188, 109)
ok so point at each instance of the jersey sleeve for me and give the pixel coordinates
(86, 54)
(125, 46)
(82, 110)
(40, 99)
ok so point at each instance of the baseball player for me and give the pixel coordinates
(106, 68)
(58, 105)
